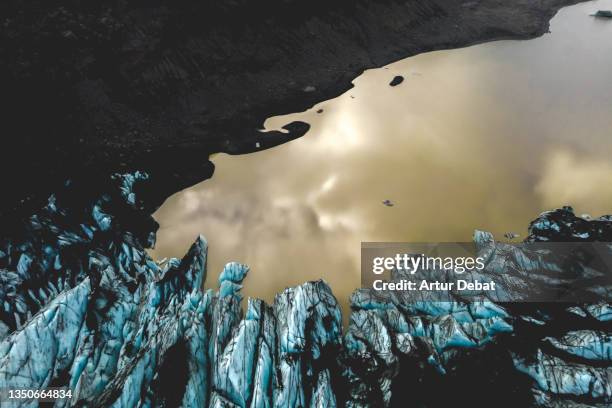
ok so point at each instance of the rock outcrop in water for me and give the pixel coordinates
(85, 307)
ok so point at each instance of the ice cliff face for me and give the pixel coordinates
(83, 306)
(482, 353)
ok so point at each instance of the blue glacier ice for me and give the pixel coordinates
(83, 306)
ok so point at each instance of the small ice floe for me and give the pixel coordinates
(586, 217)
(603, 14)
(309, 88)
(388, 203)
(257, 145)
(511, 235)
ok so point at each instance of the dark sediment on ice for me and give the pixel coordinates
(83, 306)
(93, 89)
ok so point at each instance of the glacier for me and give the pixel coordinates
(83, 306)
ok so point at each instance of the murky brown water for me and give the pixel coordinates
(484, 137)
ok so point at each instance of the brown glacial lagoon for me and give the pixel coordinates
(484, 137)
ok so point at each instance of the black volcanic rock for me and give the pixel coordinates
(398, 79)
(100, 87)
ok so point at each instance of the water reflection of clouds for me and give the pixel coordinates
(487, 137)
(585, 182)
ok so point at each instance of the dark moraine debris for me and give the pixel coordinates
(396, 80)
(93, 88)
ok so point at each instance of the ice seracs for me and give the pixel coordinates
(83, 306)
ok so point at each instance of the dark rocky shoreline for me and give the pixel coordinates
(90, 89)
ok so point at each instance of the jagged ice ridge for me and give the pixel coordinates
(83, 306)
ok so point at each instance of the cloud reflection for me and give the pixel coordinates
(484, 137)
